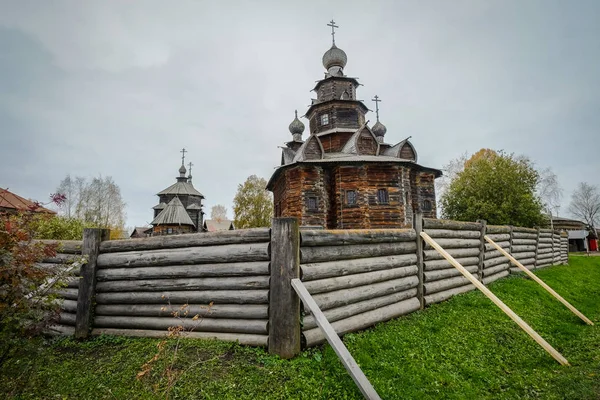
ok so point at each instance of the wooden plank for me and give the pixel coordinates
(239, 236)
(333, 253)
(242, 338)
(244, 252)
(256, 296)
(154, 285)
(347, 311)
(355, 280)
(522, 324)
(225, 325)
(453, 234)
(244, 311)
(443, 264)
(339, 237)
(342, 352)
(329, 269)
(87, 284)
(184, 271)
(284, 305)
(542, 284)
(429, 223)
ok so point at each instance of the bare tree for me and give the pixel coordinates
(549, 191)
(218, 212)
(451, 171)
(585, 204)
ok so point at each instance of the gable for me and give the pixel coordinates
(408, 152)
(366, 143)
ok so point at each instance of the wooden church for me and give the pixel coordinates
(180, 206)
(344, 175)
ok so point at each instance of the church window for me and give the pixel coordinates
(312, 203)
(351, 198)
(169, 231)
(324, 119)
(382, 196)
(426, 205)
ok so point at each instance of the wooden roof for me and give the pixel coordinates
(12, 201)
(173, 214)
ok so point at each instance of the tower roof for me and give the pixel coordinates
(334, 57)
(173, 214)
(296, 127)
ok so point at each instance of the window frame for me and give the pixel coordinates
(385, 198)
(347, 198)
(324, 119)
(427, 205)
(308, 203)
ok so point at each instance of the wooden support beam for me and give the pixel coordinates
(336, 343)
(284, 305)
(545, 345)
(542, 283)
(87, 284)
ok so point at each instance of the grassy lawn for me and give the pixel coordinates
(464, 348)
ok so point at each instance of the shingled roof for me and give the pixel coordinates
(173, 214)
(13, 202)
(181, 188)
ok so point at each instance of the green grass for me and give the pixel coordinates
(464, 348)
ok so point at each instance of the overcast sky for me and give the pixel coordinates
(117, 88)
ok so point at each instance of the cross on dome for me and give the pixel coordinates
(376, 100)
(333, 26)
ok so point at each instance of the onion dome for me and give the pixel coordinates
(334, 57)
(379, 129)
(296, 127)
(182, 170)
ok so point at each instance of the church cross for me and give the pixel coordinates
(183, 151)
(333, 26)
(190, 165)
(376, 100)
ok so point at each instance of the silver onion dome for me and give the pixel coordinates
(296, 127)
(379, 129)
(182, 170)
(334, 57)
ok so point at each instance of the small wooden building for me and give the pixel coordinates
(344, 175)
(180, 207)
(12, 203)
(214, 225)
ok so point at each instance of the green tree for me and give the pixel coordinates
(59, 228)
(252, 204)
(497, 187)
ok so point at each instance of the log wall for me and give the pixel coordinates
(358, 277)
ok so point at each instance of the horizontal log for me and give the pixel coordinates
(429, 223)
(335, 314)
(497, 229)
(66, 318)
(446, 294)
(153, 285)
(453, 234)
(185, 271)
(495, 261)
(343, 297)
(495, 269)
(72, 282)
(489, 247)
(490, 255)
(516, 271)
(244, 339)
(60, 330)
(444, 284)
(333, 253)
(431, 276)
(339, 237)
(455, 243)
(499, 237)
(236, 311)
(546, 231)
(547, 256)
(350, 281)
(68, 293)
(544, 264)
(65, 246)
(347, 267)
(187, 255)
(524, 256)
(240, 236)
(547, 241)
(517, 242)
(491, 278)
(521, 229)
(189, 297)
(432, 254)
(545, 246)
(61, 258)
(434, 265)
(189, 324)
(364, 320)
(522, 249)
(524, 235)
(69, 306)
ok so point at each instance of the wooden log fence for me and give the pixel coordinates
(236, 285)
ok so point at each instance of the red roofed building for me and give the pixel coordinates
(13, 203)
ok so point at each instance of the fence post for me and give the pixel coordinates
(537, 248)
(284, 303)
(482, 242)
(87, 281)
(418, 227)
